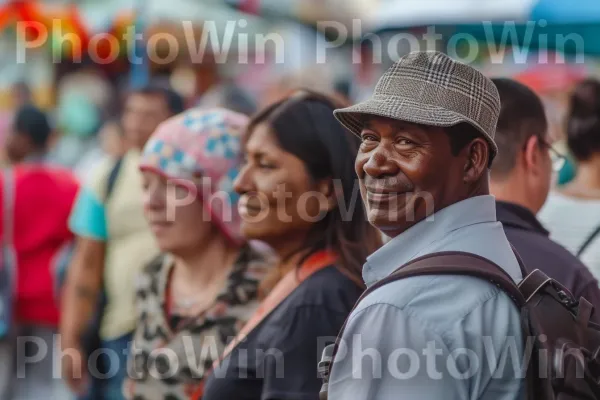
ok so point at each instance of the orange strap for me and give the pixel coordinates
(280, 292)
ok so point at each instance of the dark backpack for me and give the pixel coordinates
(570, 367)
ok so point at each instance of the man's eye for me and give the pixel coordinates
(368, 138)
(405, 142)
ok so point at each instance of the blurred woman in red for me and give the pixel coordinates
(36, 202)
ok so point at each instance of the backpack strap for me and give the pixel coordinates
(112, 178)
(454, 263)
(524, 271)
(446, 263)
(533, 283)
(588, 241)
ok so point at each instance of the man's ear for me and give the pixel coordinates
(477, 156)
(531, 154)
(327, 189)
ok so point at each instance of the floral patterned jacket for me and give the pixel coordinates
(168, 364)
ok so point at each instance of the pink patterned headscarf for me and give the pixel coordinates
(202, 143)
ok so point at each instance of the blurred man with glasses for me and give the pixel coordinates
(521, 177)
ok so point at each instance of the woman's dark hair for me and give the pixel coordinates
(304, 126)
(583, 120)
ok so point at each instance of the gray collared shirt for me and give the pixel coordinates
(437, 336)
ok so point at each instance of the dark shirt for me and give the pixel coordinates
(533, 244)
(279, 358)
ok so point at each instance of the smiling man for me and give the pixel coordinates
(423, 165)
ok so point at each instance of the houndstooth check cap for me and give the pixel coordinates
(430, 88)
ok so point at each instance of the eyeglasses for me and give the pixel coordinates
(558, 159)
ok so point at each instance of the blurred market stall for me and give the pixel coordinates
(393, 14)
(65, 35)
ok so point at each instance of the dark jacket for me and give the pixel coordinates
(531, 240)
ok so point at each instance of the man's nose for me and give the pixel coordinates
(380, 162)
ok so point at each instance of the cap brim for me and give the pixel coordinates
(403, 109)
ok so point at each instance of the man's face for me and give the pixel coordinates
(142, 115)
(406, 172)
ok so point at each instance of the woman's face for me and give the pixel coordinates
(175, 214)
(278, 198)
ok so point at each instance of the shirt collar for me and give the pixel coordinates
(414, 241)
(517, 216)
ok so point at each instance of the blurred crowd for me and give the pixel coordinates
(96, 246)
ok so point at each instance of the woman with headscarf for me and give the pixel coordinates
(205, 285)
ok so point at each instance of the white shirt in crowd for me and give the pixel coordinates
(571, 221)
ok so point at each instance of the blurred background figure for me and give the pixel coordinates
(29, 137)
(208, 274)
(36, 245)
(573, 213)
(293, 148)
(110, 143)
(114, 244)
(84, 101)
(521, 177)
(78, 119)
(21, 94)
(112, 139)
(316, 78)
(229, 96)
